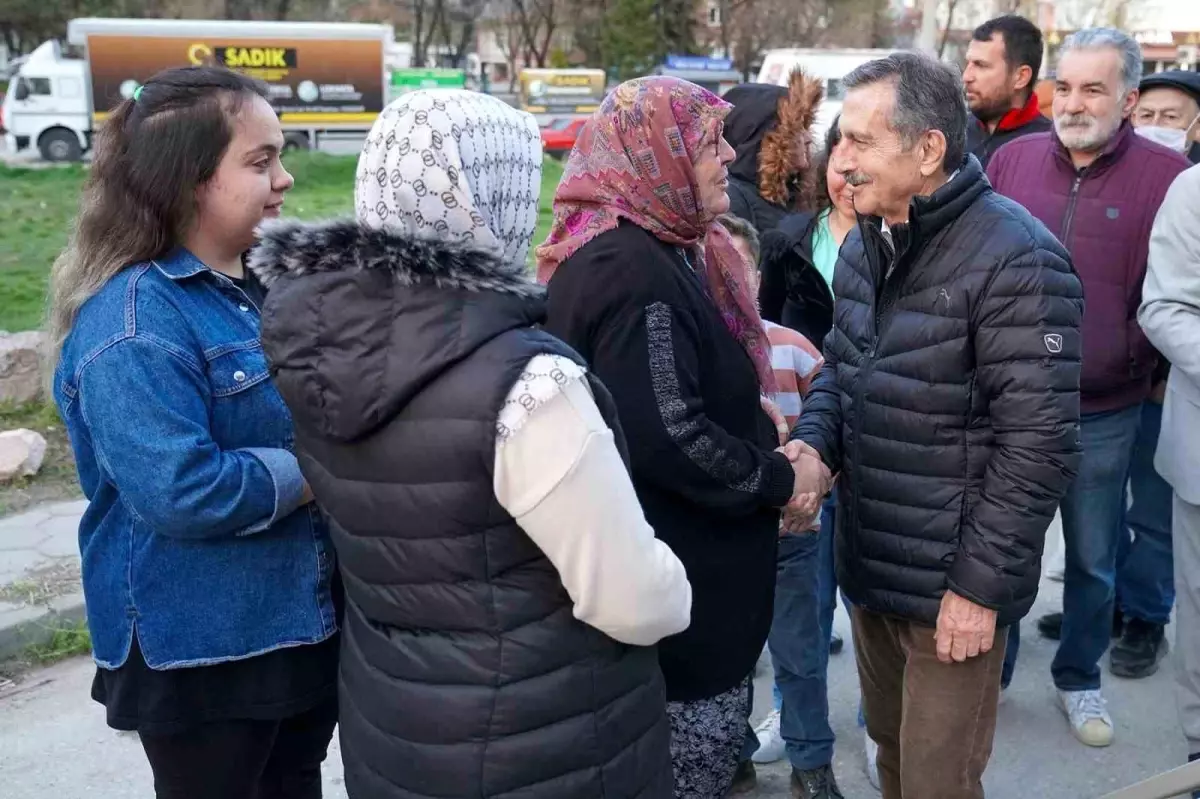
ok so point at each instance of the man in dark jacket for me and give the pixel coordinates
(949, 404)
(1003, 61)
(1168, 111)
(770, 130)
(1097, 185)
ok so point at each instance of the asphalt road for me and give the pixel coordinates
(54, 743)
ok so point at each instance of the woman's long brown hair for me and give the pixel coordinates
(138, 202)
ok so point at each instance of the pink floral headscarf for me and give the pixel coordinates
(633, 160)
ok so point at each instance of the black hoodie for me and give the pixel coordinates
(754, 115)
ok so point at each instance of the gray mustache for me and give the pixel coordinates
(857, 179)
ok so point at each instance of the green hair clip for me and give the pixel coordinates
(137, 93)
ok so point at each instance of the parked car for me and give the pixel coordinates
(558, 138)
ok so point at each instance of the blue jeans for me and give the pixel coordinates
(805, 593)
(1093, 515)
(1145, 567)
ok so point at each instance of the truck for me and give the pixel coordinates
(829, 65)
(551, 94)
(325, 80)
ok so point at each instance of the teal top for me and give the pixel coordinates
(825, 248)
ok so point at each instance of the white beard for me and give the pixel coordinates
(1087, 138)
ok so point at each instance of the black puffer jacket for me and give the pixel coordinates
(464, 672)
(949, 403)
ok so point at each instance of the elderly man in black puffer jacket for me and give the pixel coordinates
(949, 404)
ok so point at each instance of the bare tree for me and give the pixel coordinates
(950, 8)
(538, 20)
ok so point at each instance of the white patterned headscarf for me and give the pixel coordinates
(453, 165)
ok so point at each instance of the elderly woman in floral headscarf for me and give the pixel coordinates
(651, 292)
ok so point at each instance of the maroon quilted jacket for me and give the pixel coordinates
(1102, 214)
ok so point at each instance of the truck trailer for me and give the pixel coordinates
(325, 80)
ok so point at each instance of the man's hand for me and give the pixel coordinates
(813, 481)
(781, 425)
(964, 629)
(307, 497)
(1158, 394)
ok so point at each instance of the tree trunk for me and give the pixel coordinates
(941, 51)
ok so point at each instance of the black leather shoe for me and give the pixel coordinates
(745, 779)
(1140, 650)
(1050, 625)
(836, 644)
(819, 783)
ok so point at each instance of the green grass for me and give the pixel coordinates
(66, 641)
(37, 206)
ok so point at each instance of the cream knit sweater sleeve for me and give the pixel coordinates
(559, 474)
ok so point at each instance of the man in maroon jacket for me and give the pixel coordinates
(1098, 186)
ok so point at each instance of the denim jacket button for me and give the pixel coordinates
(243, 307)
(239, 375)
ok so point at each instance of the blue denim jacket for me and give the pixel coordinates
(194, 536)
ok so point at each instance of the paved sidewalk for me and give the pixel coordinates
(39, 574)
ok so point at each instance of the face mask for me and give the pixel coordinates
(1172, 138)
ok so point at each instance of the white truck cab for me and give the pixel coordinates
(47, 106)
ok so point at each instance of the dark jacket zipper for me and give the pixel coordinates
(1070, 215)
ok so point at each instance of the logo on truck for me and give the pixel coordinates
(201, 54)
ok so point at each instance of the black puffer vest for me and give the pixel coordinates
(464, 672)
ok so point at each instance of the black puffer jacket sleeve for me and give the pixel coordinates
(651, 352)
(1028, 361)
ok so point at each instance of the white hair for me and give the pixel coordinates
(1113, 39)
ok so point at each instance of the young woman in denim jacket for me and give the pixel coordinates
(208, 572)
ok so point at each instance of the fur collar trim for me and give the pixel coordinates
(778, 182)
(287, 247)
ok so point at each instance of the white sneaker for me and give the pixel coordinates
(771, 747)
(872, 761)
(1088, 717)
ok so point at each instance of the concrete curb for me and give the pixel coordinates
(21, 628)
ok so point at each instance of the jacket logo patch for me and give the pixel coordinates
(944, 296)
(1054, 343)
(1113, 213)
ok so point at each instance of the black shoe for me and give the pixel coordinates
(818, 783)
(1140, 650)
(1050, 625)
(836, 644)
(745, 779)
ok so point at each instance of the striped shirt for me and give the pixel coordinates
(796, 363)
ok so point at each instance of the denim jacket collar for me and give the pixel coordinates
(179, 264)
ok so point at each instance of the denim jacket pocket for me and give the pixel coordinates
(233, 368)
(240, 382)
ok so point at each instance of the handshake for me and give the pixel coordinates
(813, 481)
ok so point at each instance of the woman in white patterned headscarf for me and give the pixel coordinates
(503, 589)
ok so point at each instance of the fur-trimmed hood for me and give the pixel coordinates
(762, 128)
(357, 321)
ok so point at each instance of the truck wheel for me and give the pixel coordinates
(60, 145)
(293, 142)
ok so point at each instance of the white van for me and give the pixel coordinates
(830, 65)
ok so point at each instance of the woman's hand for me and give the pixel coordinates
(307, 497)
(781, 425)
